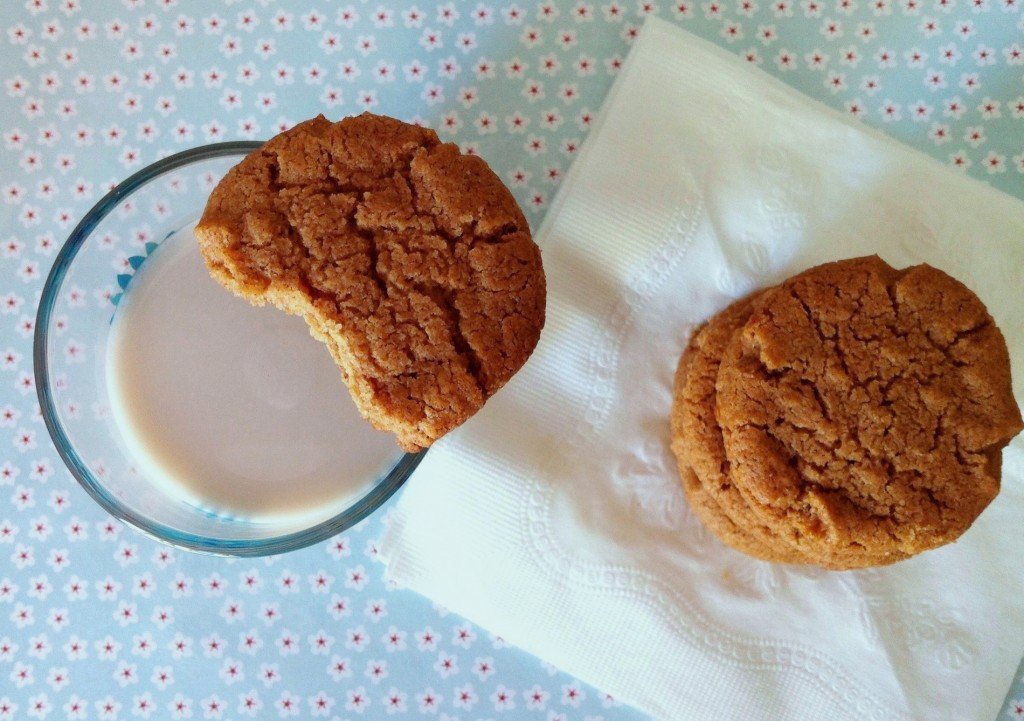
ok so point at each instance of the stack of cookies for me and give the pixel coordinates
(852, 416)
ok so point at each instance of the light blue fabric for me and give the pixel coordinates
(97, 621)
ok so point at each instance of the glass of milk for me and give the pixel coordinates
(183, 410)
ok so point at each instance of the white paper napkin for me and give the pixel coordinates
(554, 517)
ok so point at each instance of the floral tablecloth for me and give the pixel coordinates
(97, 621)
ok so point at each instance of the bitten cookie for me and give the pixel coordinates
(865, 409)
(699, 448)
(409, 259)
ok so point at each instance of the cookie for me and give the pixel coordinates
(700, 450)
(704, 507)
(864, 410)
(410, 260)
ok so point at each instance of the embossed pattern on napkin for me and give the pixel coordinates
(554, 517)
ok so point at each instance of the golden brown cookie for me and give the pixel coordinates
(410, 260)
(699, 448)
(864, 410)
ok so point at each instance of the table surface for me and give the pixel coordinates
(97, 621)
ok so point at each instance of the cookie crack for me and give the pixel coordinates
(966, 335)
(834, 344)
(445, 300)
(274, 171)
(496, 237)
(818, 397)
(373, 252)
(936, 502)
(814, 323)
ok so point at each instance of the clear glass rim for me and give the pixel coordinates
(352, 515)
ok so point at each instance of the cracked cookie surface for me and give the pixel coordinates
(411, 261)
(865, 409)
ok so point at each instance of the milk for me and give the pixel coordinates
(231, 407)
